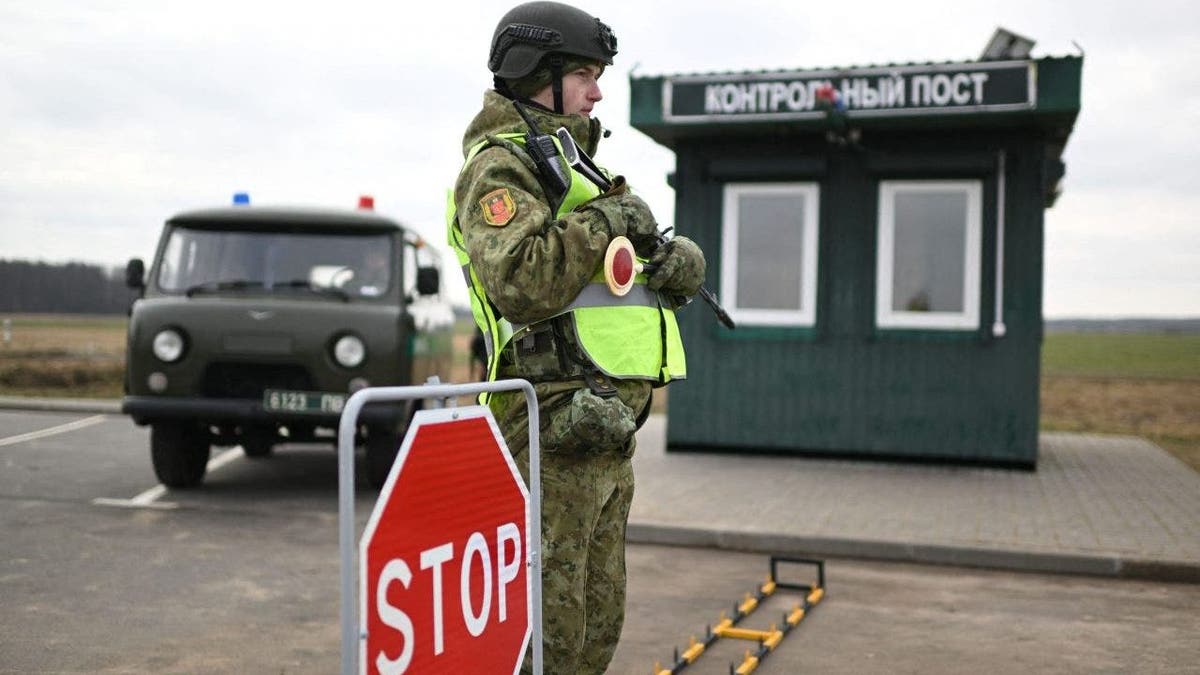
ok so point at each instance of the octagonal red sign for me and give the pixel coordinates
(443, 564)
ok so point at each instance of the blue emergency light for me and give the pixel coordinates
(241, 199)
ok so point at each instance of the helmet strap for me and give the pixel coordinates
(556, 72)
(502, 88)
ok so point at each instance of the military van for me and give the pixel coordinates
(255, 324)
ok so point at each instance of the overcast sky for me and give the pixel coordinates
(114, 115)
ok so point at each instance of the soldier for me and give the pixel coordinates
(533, 260)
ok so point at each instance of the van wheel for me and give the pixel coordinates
(179, 453)
(383, 443)
(382, 447)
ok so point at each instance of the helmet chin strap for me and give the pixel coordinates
(556, 66)
(501, 86)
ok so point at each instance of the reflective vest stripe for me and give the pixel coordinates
(598, 295)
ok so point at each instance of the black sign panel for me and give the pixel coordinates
(902, 90)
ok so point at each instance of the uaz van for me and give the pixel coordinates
(255, 324)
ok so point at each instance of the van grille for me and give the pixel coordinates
(249, 380)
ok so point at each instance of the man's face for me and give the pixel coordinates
(581, 91)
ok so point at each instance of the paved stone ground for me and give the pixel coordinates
(1096, 504)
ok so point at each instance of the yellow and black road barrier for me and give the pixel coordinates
(767, 640)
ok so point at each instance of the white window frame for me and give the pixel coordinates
(885, 316)
(807, 313)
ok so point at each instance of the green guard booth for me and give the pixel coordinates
(877, 235)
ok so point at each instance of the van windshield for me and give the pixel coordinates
(220, 261)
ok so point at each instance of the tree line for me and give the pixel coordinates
(62, 288)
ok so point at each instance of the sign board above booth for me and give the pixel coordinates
(973, 87)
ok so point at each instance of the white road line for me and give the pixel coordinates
(60, 429)
(149, 498)
(130, 504)
(225, 458)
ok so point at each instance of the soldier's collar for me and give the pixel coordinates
(585, 130)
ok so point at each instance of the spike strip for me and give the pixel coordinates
(768, 640)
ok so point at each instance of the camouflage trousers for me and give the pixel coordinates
(585, 506)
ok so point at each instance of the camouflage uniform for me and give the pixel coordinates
(531, 267)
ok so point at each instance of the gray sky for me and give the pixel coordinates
(114, 115)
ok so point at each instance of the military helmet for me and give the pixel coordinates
(530, 31)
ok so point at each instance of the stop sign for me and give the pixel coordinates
(443, 559)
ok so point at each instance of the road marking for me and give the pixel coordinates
(225, 458)
(149, 498)
(60, 429)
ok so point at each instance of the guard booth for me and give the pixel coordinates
(877, 235)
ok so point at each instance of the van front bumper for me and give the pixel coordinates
(150, 409)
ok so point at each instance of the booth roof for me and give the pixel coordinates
(839, 70)
(674, 107)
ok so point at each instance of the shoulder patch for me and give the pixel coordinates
(498, 207)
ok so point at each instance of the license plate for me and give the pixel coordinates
(282, 400)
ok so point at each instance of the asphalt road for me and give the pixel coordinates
(100, 571)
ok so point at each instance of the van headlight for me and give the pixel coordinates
(349, 351)
(169, 345)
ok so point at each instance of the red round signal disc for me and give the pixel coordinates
(623, 266)
(620, 266)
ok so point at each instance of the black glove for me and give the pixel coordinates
(680, 268)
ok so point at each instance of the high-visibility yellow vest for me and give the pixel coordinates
(634, 336)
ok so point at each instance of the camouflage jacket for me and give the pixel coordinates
(533, 265)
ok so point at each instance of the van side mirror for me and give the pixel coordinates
(135, 273)
(427, 281)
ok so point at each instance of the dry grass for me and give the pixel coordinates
(53, 335)
(1166, 412)
(62, 356)
(61, 377)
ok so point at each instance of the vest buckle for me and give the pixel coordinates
(599, 383)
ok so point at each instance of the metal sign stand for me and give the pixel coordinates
(347, 428)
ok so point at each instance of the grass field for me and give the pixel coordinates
(1139, 384)
(1122, 355)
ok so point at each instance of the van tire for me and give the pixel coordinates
(179, 453)
(383, 444)
(382, 447)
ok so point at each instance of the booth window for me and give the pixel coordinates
(769, 253)
(929, 255)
